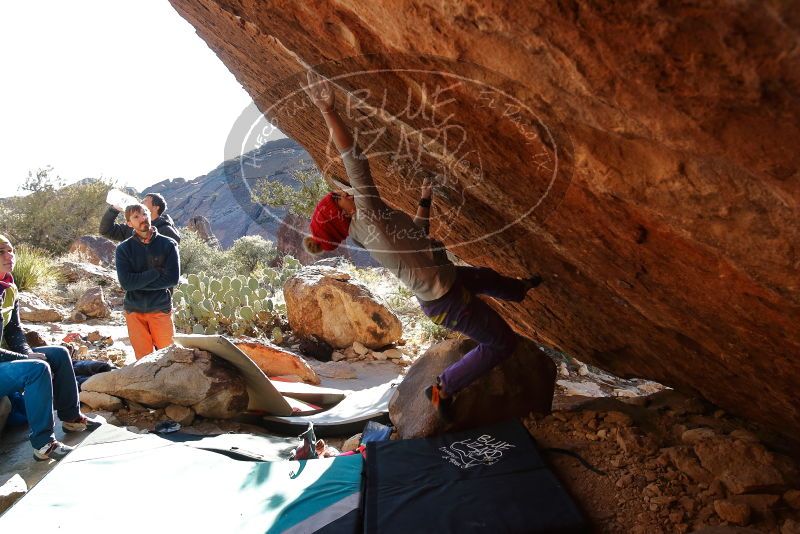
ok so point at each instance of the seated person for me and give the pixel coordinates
(46, 376)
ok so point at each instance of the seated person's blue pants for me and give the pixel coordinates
(39, 381)
(460, 310)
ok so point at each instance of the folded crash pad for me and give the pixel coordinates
(347, 417)
(262, 394)
(490, 479)
(116, 481)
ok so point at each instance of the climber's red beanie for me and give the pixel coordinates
(329, 224)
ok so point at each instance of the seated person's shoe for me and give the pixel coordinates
(442, 405)
(55, 450)
(80, 424)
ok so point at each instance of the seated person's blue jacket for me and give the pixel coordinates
(147, 272)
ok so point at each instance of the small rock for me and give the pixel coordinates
(624, 481)
(101, 401)
(618, 418)
(34, 310)
(790, 526)
(676, 516)
(180, 414)
(379, 356)
(632, 442)
(92, 337)
(360, 349)
(393, 354)
(792, 498)
(337, 356)
(93, 303)
(563, 370)
(602, 433)
(760, 503)
(78, 317)
(583, 369)
(11, 491)
(134, 407)
(686, 462)
(351, 443)
(342, 370)
(736, 513)
(696, 435)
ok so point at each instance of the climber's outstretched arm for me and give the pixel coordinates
(320, 91)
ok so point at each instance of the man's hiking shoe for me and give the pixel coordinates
(443, 406)
(80, 424)
(55, 450)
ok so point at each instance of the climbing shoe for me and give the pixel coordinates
(55, 450)
(442, 405)
(80, 424)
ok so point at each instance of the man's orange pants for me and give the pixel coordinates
(149, 331)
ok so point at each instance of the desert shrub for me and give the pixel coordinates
(249, 252)
(434, 332)
(75, 290)
(34, 268)
(198, 256)
(51, 215)
(300, 200)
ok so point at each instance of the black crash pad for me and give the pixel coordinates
(490, 479)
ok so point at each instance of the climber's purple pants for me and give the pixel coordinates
(460, 310)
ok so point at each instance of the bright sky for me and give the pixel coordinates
(110, 88)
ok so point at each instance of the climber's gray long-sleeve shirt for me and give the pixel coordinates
(391, 237)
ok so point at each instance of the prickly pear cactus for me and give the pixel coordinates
(239, 305)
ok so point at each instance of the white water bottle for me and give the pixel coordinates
(120, 200)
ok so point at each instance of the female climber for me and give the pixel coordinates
(446, 293)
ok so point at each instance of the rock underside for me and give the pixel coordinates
(644, 160)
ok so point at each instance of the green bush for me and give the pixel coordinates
(300, 200)
(34, 268)
(197, 256)
(51, 215)
(251, 251)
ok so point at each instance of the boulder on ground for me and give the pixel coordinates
(177, 375)
(275, 361)
(180, 414)
(522, 384)
(73, 271)
(13, 488)
(93, 303)
(32, 309)
(324, 302)
(95, 249)
(744, 467)
(101, 401)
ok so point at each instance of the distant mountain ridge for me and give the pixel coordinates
(223, 195)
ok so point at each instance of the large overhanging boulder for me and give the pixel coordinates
(645, 160)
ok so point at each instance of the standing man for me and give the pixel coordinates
(148, 267)
(46, 376)
(446, 293)
(157, 207)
